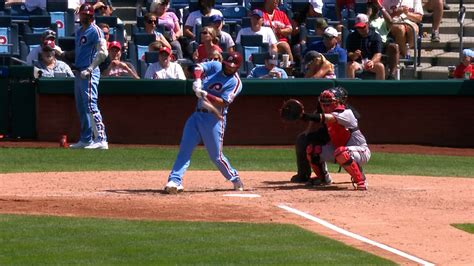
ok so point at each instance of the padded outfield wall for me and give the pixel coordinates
(439, 113)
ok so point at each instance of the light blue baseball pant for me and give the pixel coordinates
(86, 94)
(205, 127)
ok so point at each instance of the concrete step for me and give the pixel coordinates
(426, 71)
(457, 2)
(454, 8)
(439, 57)
(451, 26)
(449, 42)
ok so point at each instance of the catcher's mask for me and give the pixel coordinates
(332, 99)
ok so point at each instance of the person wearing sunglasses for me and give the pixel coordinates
(170, 22)
(150, 27)
(48, 65)
(208, 45)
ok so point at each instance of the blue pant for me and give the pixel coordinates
(205, 127)
(85, 92)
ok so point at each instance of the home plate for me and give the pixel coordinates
(242, 195)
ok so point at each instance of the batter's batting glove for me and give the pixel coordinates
(197, 85)
(201, 94)
(86, 73)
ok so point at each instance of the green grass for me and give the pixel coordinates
(33, 240)
(465, 227)
(242, 158)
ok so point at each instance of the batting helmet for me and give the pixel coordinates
(87, 9)
(234, 59)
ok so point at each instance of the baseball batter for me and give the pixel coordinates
(219, 86)
(91, 50)
(347, 146)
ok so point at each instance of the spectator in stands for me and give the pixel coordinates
(116, 67)
(404, 11)
(104, 8)
(164, 68)
(364, 47)
(278, 21)
(48, 35)
(48, 66)
(216, 56)
(381, 22)
(150, 27)
(329, 45)
(437, 8)
(106, 30)
(269, 70)
(171, 24)
(341, 5)
(465, 70)
(205, 9)
(209, 44)
(316, 8)
(224, 37)
(318, 67)
(155, 46)
(256, 23)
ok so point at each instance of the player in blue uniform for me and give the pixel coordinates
(91, 50)
(220, 85)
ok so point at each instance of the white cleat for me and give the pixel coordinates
(238, 185)
(101, 145)
(173, 188)
(79, 145)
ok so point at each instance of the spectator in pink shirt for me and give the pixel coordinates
(171, 23)
(117, 68)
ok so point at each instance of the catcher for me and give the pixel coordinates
(347, 146)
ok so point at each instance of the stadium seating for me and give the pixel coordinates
(9, 42)
(62, 16)
(250, 44)
(115, 30)
(28, 42)
(137, 49)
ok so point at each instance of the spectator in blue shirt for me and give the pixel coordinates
(329, 45)
(269, 70)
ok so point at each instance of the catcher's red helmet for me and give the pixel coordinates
(234, 59)
(87, 9)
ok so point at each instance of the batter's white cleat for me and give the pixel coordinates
(79, 145)
(173, 188)
(238, 185)
(100, 145)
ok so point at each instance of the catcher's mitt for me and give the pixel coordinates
(291, 110)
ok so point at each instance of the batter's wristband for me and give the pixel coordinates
(197, 73)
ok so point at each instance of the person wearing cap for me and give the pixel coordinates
(256, 28)
(150, 27)
(269, 70)
(318, 67)
(116, 67)
(278, 21)
(165, 68)
(209, 44)
(33, 55)
(224, 38)
(381, 21)
(465, 69)
(407, 12)
(207, 124)
(170, 22)
(48, 65)
(205, 9)
(91, 51)
(329, 45)
(364, 48)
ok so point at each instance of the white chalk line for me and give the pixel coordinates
(353, 235)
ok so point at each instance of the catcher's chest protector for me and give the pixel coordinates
(339, 134)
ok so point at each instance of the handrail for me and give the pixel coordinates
(461, 15)
(415, 41)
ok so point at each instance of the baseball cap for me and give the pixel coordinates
(361, 20)
(216, 18)
(86, 8)
(115, 44)
(165, 49)
(331, 32)
(257, 12)
(234, 59)
(321, 23)
(310, 56)
(468, 52)
(48, 34)
(317, 5)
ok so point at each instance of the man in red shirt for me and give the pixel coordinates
(465, 69)
(278, 21)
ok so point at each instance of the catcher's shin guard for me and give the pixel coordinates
(319, 168)
(344, 159)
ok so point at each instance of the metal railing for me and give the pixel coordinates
(415, 42)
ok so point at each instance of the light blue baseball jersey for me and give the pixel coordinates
(205, 127)
(86, 45)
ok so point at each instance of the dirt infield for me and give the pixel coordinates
(411, 214)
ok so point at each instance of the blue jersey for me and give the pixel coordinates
(218, 84)
(86, 45)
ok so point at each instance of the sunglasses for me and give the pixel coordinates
(204, 32)
(215, 59)
(150, 21)
(106, 33)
